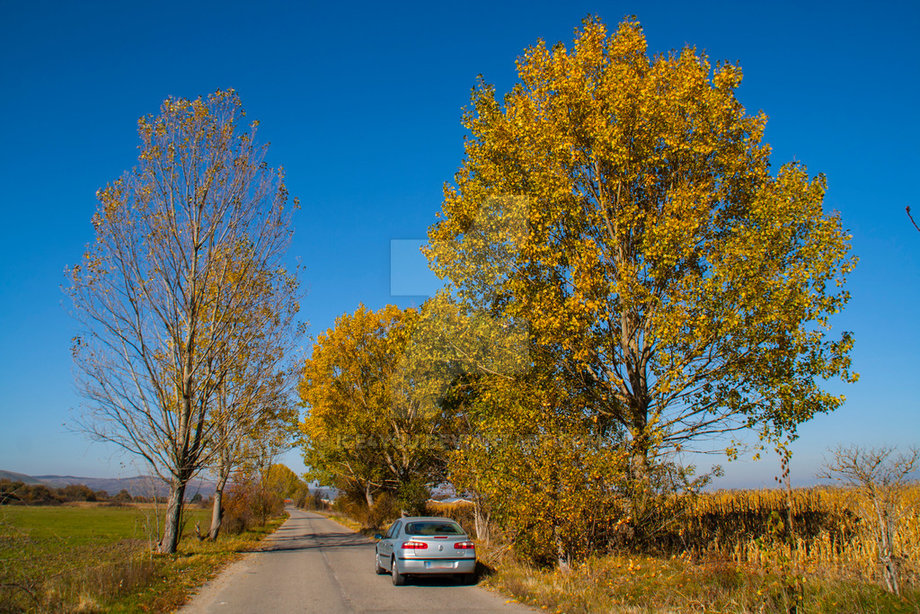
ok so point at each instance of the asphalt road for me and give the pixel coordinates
(313, 564)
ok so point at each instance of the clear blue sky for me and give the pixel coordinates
(361, 103)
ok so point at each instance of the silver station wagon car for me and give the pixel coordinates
(425, 545)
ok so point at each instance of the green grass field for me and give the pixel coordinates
(99, 558)
(89, 524)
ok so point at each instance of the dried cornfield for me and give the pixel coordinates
(829, 532)
(830, 528)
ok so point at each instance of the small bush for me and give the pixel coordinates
(354, 506)
(309, 501)
(302, 499)
(384, 511)
(123, 496)
(247, 505)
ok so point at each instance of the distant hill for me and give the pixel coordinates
(140, 485)
(18, 477)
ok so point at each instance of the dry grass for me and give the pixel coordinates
(729, 551)
(620, 583)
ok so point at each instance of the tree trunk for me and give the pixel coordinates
(173, 517)
(562, 556)
(639, 468)
(640, 484)
(639, 465)
(886, 551)
(217, 511)
(481, 518)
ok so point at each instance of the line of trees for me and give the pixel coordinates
(15, 492)
(372, 428)
(188, 311)
(627, 278)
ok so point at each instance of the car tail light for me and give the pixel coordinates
(464, 545)
(414, 545)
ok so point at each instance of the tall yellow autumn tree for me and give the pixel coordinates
(625, 208)
(366, 431)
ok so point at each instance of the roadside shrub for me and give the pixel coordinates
(77, 492)
(123, 496)
(300, 497)
(246, 505)
(351, 505)
(384, 511)
(557, 497)
(354, 505)
(238, 515)
(39, 494)
(309, 501)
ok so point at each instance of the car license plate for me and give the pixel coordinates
(438, 565)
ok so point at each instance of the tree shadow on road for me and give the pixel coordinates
(313, 541)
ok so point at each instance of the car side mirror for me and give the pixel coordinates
(378, 536)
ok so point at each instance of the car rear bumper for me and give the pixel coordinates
(436, 566)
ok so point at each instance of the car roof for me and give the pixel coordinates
(427, 518)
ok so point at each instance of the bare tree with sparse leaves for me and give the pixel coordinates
(181, 242)
(880, 476)
(252, 404)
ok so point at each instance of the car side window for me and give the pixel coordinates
(394, 530)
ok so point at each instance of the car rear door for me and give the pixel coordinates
(386, 545)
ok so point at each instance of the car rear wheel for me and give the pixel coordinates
(398, 578)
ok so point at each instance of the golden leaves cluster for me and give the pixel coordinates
(663, 262)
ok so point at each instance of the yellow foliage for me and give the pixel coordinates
(365, 431)
(624, 208)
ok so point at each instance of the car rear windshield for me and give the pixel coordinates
(433, 527)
